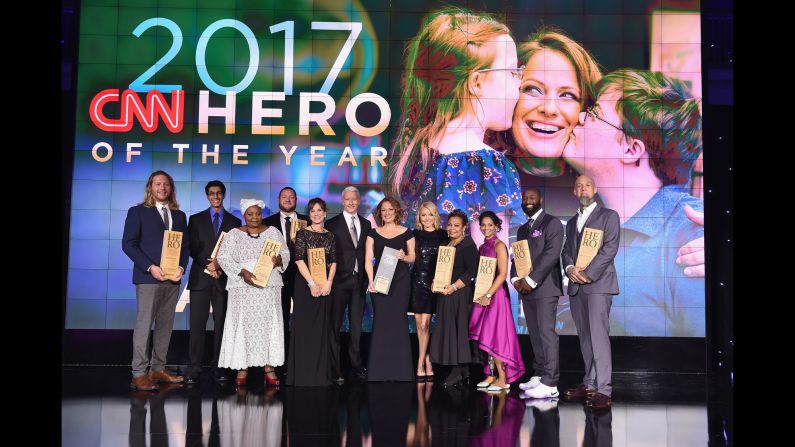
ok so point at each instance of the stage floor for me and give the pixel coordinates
(98, 409)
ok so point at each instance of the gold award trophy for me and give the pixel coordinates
(169, 255)
(444, 268)
(262, 271)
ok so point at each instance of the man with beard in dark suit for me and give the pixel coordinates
(539, 292)
(591, 291)
(284, 221)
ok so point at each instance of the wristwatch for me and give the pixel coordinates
(488, 295)
(311, 284)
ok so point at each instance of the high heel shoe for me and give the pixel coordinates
(269, 381)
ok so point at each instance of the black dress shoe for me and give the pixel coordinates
(191, 379)
(361, 373)
(340, 380)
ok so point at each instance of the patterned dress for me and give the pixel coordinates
(473, 181)
(253, 329)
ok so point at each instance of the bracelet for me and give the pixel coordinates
(311, 284)
(455, 289)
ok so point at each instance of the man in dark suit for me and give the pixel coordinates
(591, 291)
(350, 282)
(284, 221)
(204, 228)
(156, 296)
(539, 292)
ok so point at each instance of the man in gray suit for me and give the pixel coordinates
(539, 292)
(591, 291)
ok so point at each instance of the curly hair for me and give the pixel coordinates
(459, 214)
(399, 213)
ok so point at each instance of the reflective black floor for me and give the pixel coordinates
(98, 409)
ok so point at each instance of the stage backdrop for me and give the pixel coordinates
(240, 91)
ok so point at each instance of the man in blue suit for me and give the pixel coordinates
(156, 296)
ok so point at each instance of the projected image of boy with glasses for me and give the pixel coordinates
(461, 80)
(639, 143)
(557, 85)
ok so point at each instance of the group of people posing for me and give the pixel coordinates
(249, 322)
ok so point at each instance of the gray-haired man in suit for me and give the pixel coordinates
(539, 293)
(591, 291)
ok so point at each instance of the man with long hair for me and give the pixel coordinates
(156, 296)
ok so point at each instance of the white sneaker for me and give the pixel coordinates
(495, 387)
(543, 404)
(530, 384)
(542, 391)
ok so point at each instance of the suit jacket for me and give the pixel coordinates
(601, 270)
(545, 239)
(274, 220)
(202, 241)
(142, 240)
(347, 253)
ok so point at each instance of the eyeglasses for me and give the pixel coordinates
(516, 72)
(591, 113)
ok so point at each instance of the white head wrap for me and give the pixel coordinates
(247, 203)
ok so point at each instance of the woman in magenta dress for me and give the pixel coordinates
(491, 322)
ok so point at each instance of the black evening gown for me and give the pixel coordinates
(450, 343)
(390, 345)
(309, 356)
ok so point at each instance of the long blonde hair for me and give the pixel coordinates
(451, 45)
(149, 198)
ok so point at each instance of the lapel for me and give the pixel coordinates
(226, 220)
(538, 241)
(572, 237)
(362, 232)
(592, 215)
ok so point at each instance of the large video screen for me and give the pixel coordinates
(322, 94)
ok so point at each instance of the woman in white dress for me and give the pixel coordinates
(253, 331)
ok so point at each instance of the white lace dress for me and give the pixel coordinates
(253, 329)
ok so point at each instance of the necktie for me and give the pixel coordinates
(354, 233)
(217, 223)
(165, 218)
(287, 229)
(355, 236)
(530, 223)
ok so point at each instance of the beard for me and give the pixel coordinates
(586, 201)
(529, 209)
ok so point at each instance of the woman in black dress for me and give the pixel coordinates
(450, 344)
(428, 237)
(308, 359)
(390, 346)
